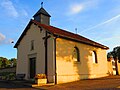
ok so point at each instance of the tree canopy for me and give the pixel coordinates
(4, 62)
(115, 53)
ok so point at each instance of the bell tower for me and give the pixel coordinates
(42, 16)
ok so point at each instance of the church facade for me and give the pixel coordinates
(61, 55)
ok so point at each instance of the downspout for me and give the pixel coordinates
(55, 60)
(46, 53)
(45, 43)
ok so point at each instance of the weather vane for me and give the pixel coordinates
(41, 4)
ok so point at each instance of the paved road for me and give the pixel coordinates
(107, 83)
(8, 85)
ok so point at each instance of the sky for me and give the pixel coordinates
(98, 20)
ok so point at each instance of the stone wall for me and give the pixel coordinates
(10, 69)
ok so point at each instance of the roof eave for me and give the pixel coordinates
(23, 33)
(43, 14)
(69, 38)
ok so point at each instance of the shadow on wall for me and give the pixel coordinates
(84, 67)
(67, 68)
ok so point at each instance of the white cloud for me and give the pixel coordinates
(110, 39)
(76, 8)
(2, 38)
(9, 7)
(111, 42)
(24, 13)
(103, 23)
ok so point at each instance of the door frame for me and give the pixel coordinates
(34, 55)
(32, 67)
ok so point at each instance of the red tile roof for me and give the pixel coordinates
(64, 34)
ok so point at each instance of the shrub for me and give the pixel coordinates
(7, 76)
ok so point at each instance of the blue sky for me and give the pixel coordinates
(98, 20)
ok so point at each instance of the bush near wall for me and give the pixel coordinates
(8, 73)
(7, 76)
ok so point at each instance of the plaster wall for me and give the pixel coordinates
(69, 70)
(24, 52)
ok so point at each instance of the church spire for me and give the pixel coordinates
(42, 16)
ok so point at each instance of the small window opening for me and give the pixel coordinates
(32, 45)
(76, 56)
(94, 56)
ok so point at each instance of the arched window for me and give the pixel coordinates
(94, 57)
(76, 56)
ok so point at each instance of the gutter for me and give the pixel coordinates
(55, 60)
(46, 54)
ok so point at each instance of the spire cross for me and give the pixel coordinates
(41, 4)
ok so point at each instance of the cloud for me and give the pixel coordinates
(110, 39)
(2, 38)
(100, 24)
(9, 7)
(24, 12)
(111, 42)
(78, 7)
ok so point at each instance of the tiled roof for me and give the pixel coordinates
(65, 34)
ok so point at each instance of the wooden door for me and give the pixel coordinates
(32, 67)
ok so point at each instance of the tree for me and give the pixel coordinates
(4, 62)
(109, 56)
(13, 61)
(116, 55)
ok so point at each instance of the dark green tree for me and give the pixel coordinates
(116, 55)
(109, 54)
